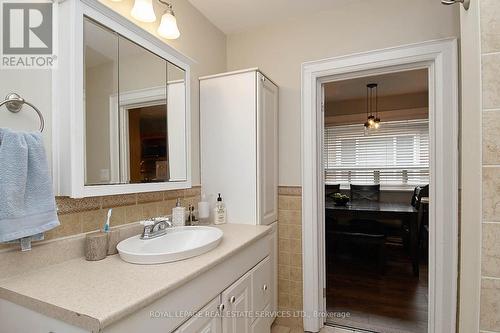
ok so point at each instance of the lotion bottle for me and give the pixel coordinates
(178, 214)
(220, 212)
(203, 210)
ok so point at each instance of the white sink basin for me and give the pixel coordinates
(177, 244)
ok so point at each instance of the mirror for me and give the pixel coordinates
(135, 112)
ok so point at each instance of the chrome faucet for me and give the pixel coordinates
(156, 227)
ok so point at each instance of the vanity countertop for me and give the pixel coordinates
(93, 295)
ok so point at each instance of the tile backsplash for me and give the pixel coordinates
(89, 214)
(290, 254)
(490, 282)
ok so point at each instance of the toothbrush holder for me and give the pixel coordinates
(96, 246)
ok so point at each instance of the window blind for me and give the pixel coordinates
(396, 154)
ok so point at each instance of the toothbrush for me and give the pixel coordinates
(106, 226)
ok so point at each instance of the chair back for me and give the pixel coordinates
(418, 193)
(331, 190)
(365, 192)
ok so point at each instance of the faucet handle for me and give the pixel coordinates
(147, 222)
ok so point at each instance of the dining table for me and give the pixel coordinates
(375, 210)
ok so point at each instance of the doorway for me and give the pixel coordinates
(439, 58)
(376, 184)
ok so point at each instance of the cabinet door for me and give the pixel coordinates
(262, 285)
(263, 323)
(267, 156)
(238, 303)
(207, 320)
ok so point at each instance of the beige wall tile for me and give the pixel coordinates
(284, 272)
(289, 202)
(490, 25)
(149, 197)
(491, 250)
(283, 300)
(490, 305)
(290, 190)
(66, 205)
(119, 200)
(296, 259)
(70, 225)
(491, 137)
(93, 220)
(133, 213)
(491, 81)
(149, 210)
(284, 258)
(491, 194)
(283, 286)
(290, 216)
(296, 274)
(169, 195)
(118, 216)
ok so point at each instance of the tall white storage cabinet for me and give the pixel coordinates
(239, 144)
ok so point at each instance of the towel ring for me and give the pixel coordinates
(14, 103)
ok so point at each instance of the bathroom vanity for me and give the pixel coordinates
(229, 289)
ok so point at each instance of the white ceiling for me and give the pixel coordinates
(233, 16)
(409, 82)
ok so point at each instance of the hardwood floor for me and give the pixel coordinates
(392, 302)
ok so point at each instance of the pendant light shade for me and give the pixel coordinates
(372, 118)
(143, 11)
(168, 25)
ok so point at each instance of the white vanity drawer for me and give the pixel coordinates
(262, 285)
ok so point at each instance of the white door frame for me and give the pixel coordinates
(441, 60)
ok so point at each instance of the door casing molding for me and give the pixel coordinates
(440, 57)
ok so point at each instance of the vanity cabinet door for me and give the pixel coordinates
(238, 303)
(207, 320)
(263, 323)
(262, 285)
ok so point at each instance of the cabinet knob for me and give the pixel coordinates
(264, 287)
(232, 299)
(221, 307)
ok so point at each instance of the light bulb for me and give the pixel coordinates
(143, 11)
(168, 26)
(371, 120)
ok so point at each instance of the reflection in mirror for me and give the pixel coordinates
(141, 136)
(142, 116)
(100, 82)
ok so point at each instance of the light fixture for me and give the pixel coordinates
(168, 25)
(372, 118)
(143, 11)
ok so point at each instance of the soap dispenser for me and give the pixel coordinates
(178, 214)
(220, 212)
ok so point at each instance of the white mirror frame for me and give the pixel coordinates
(68, 118)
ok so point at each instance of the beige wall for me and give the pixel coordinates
(354, 26)
(200, 40)
(490, 58)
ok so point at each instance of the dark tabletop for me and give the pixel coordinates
(370, 206)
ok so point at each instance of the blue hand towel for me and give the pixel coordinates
(27, 203)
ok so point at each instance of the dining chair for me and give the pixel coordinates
(365, 192)
(331, 189)
(418, 193)
(364, 235)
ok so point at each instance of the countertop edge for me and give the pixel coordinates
(52, 311)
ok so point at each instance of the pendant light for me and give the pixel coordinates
(372, 118)
(143, 11)
(168, 25)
